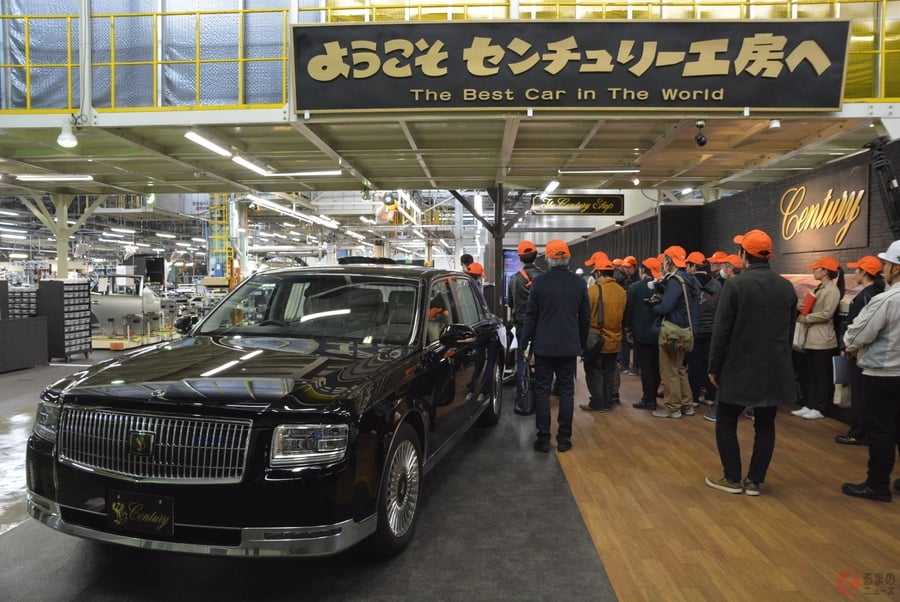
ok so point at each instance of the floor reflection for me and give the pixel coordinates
(14, 431)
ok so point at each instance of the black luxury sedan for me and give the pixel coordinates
(297, 418)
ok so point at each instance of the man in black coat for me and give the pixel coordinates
(519, 289)
(638, 325)
(557, 320)
(750, 361)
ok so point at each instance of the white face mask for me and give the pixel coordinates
(723, 273)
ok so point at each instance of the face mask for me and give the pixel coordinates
(722, 273)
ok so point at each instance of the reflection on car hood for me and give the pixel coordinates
(241, 371)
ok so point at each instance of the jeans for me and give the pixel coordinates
(882, 424)
(600, 376)
(727, 416)
(545, 368)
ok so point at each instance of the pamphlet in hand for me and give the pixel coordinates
(808, 301)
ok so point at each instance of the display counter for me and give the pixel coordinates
(23, 343)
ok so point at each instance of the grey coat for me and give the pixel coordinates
(750, 350)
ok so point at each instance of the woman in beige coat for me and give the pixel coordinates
(821, 340)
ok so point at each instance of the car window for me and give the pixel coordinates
(468, 299)
(363, 309)
(442, 309)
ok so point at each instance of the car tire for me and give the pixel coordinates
(491, 414)
(398, 500)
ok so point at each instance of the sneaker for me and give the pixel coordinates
(711, 416)
(705, 401)
(644, 405)
(664, 413)
(688, 411)
(751, 488)
(724, 485)
(633, 372)
(563, 445)
(748, 413)
(813, 415)
(588, 408)
(801, 412)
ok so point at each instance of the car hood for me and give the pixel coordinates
(244, 372)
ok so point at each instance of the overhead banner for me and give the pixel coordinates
(826, 213)
(578, 204)
(597, 65)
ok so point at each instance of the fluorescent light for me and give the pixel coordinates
(14, 230)
(200, 240)
(687, 190)
(113, 234)
(250, 165)
(596, 171)
(123, 230)
(354, 235)
(208, 144)
(13, 236)
(54, 177)
(165, 235)
(18, 255)
(11, 213)
(306, 174)
(553, 185)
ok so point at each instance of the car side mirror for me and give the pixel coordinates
(185, 323)
(453, 335)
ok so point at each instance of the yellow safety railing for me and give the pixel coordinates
(873, 73)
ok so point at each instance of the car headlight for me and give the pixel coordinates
(47, 420)
(307, 444)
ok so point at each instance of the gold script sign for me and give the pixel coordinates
(578, 204)
(824, 212)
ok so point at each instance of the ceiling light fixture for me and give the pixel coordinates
(305, 174)
(553, 185)
(54, 177)
(205, 142)
(250, 165)
(774, 124)
(635, 181)
(66, 138)
(597, 171)
(165, 235)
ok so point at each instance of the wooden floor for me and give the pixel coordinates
(662, 534)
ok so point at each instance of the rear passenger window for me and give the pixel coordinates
(468, 301)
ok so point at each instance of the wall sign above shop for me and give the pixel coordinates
(596, 65)
(828, 212)
(578, 204)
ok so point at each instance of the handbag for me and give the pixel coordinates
(596, 338)
(799, 342)
(674, 337)
(525, 403)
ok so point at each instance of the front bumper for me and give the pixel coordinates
(308, 541)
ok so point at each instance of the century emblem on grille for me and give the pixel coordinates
(140, 443)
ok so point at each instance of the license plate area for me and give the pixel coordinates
(140, 513)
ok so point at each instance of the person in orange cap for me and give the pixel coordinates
(698, 358)
(730, 266)
(816, 379)
(750, 362)
(868, 273)
(638, 326)
(677, 304)
(607, 301)
(557, 321)
(629, 275)
(715, 265)
(518, 290)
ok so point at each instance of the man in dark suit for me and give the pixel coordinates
(557, 319)
(750, 361)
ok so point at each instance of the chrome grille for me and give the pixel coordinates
(184, 450)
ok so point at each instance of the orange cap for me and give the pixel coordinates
(600, 261)
(718, 257)
(696, 257)
(475, 269)
(734, 260)
(652, 264)
(630, 261)
(590, 260)
(756, 242)
(618, 261)
(829, 263)
(869, 264)
(526, 247)
(557, 249)
(677, 254)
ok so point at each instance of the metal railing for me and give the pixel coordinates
(230, 59)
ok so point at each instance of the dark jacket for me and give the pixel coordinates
(558, 314)
(519, 290)
(640, 317)
(750, 350)
(672, 307)
(710, 289)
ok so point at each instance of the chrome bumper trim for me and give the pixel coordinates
(322, 540)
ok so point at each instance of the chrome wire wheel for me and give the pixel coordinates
(402, 488)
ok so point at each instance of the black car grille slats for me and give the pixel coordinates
(186, 450)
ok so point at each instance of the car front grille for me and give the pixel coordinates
(156, 448)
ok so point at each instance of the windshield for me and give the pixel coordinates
(362, 309)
